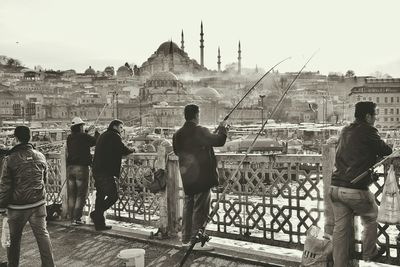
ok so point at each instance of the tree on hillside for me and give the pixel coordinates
(350, 73)
(12, 62)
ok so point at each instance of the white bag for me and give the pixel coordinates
(389, 210)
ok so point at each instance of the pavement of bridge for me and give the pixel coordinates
(84, 247)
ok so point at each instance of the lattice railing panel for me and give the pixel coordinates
(53, 183)
(270, 200)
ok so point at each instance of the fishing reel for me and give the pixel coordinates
(202, 237)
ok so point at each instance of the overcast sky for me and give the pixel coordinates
(360, 35)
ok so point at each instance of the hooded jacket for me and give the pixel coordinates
(22, 181)
(193, 145)
(358, 149)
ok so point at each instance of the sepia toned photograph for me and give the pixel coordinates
(199, 133)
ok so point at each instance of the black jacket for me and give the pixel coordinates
(358, 149)
(78, 149)
(193, 145)
(22, 178)
(108, 155)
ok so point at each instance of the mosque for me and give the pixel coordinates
(170, 57)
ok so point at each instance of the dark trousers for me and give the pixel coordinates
(106, 196)
(195, 212)
(78, 182)
(36, 217)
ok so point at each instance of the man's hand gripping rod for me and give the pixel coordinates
(370, 170)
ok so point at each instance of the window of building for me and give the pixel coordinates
(391, 99)
(391, 119)
(398, 99)
(391, 111)
(397, 111)
(370, 98)
(385, 111)
(385, 119)
(386, 99)
(377, 99)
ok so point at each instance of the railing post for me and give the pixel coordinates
(328, 162)
(63, 177)
(173, 196)
(162, 164)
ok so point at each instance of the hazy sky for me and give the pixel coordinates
(359, 35)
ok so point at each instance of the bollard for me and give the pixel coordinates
(132, 257)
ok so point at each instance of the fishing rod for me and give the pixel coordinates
(254, 86)
(201, 236)
(395, 154)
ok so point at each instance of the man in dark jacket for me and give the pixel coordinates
(193, 145)
(22, 191)
(359, 148)
(106, 170)
(79, 159)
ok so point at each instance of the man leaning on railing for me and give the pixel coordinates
(358, 150)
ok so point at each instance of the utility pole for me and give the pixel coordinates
(262, 108)
(114, 102)
(140, 112)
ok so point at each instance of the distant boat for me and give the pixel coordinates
(262, 145)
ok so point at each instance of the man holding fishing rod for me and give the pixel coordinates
(358, 149)
(193, 144)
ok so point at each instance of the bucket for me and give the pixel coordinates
(132, 257)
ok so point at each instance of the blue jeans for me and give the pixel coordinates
(37, 220)
(78, 182)
(195, 212)
(346, 204)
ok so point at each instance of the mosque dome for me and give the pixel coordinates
(90, 71)
(124, 71)
(163, 76)
(208, 93)
(166, 47)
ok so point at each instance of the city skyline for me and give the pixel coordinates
(359, 35)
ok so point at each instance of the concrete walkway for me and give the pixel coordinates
(82, 246)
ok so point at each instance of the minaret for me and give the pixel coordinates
(219, 60)
(171, 58)
(182, 42)
(201, 45)
(239, 60)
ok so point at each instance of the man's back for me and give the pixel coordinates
(108, 154)
(26, 168)
(358, 149)
(194, 146)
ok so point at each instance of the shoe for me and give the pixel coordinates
(77, 223)
(102, 227)
(381, 251)
(206, 247)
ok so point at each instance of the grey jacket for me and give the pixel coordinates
(22, 180)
